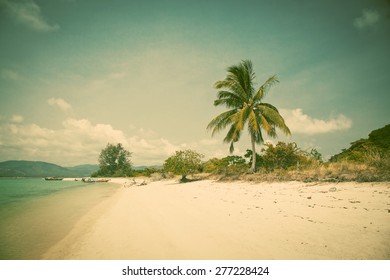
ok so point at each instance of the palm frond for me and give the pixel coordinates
(270, 82)
(221, 121)
(254, 127)
(273, 117)
(231, 84)
(263, 89)
(265, 124)
(231, 148)
(232, 136)
(241, 117)
(229, 99)
(240, 79)
(253, 123)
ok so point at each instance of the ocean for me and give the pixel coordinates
(35, 214)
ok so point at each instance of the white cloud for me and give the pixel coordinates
(368, 19)
(78, 141)
(17, 119)
(60, 103)
(29, 13)
(298, 122)
(8, 74)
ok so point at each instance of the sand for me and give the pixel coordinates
(238, 220)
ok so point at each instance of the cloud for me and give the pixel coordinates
(78, 141)
(17, 119)
(298, 122)
(368, 19)
(29, 14)
(60, 103)
(8, 74)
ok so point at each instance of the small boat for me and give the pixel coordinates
(53, 179)
(102, 180)
(88, 180)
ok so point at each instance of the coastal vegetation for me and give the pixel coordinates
(114, 161)
(238, 94)
(374, 151)
(366, 160)
(184, 163)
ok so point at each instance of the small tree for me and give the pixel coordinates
(183, 163)
(114, 161)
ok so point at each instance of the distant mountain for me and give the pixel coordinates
(143, 167)
(83, 170)
(24, 168)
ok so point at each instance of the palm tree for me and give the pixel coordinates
(245, 105)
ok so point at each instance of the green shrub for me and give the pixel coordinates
(184, 163)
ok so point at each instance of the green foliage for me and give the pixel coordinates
(238, 94)
(147, 172)
(374, 151)
(184, 163)
(230, 165)
(114, 161)
(316, 155)
(381, 137)
(283, 156)
(259, 160)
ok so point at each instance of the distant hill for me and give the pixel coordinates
(25, 168)
(143, 167)
(83, 170)
(378, 142)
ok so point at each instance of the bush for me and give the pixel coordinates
(184, 163)
(230, 166)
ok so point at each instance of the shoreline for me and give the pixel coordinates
(234, 220)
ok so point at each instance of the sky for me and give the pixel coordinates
(76, 75)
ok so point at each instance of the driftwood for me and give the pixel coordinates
(134, 183)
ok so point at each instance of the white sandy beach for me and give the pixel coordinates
(238, 220)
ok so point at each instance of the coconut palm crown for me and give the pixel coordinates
(237, 93)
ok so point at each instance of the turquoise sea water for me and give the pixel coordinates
(35, 214)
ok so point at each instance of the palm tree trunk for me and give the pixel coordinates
(253, 168)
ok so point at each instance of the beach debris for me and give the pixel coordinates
(143, 183)
(309, 197)
(133, 182)
(88, 180)
(333, 189)
(354, 201)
